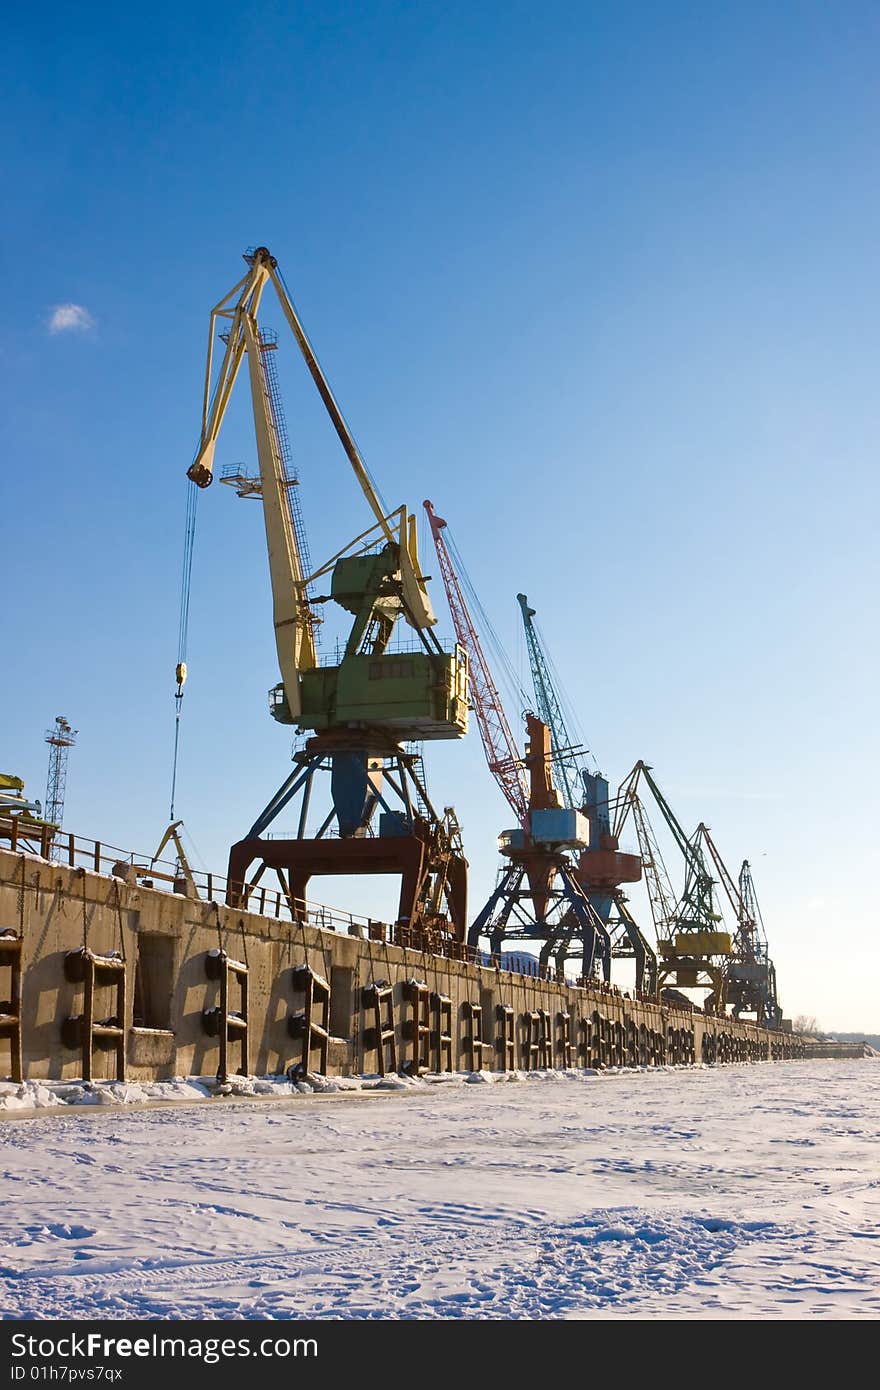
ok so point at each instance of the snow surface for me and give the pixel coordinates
(736, 1192)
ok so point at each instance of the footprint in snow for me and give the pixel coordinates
(60, 1231)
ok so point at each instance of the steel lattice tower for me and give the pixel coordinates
(59, 739)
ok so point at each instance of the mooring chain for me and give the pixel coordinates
(21, 894)
(85, 911)
(327, 958)
(302, 931)
(385, 944)
(216, 907)
(118, 886)
(243, 941)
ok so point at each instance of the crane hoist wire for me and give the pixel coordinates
(193, 847)
(189, 536)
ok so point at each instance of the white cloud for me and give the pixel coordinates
(70, 318)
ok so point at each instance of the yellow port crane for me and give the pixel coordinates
(367, 710)
(294, 620)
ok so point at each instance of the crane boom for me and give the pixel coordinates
(734, 896)
(416, 603)
(567, 768)
(751, 910)
(291, 614)
(498, 742)
(293, 619)
(661, 896)
(324, 391)
(695, 866)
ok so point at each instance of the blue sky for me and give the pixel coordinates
(597, 279)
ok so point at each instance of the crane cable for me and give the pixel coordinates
(373, 484)
(503, 667)
(183, 626)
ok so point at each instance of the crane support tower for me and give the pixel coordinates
(362, 711)
(602, 867)
(60, 738)
(537, 896)
(693, 947)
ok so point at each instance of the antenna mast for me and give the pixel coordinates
(60, 739)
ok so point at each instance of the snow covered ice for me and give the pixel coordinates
(740, 1192)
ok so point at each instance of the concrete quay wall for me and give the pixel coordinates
(170, 964)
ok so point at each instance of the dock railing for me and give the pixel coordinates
(48, 842)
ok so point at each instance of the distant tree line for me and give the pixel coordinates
(806, 1023)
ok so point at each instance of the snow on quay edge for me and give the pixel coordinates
(730, 1192)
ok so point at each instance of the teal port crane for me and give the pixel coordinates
(602, 868)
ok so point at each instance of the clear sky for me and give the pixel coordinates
(598, 279)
